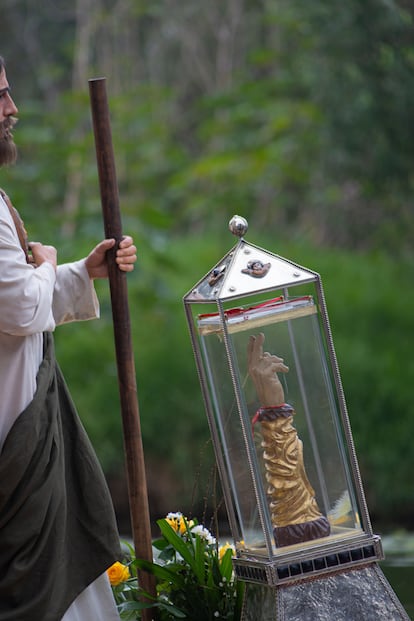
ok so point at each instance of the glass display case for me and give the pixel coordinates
(278, 418)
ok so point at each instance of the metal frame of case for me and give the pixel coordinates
(271, 567)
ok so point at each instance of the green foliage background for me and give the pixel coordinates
(294, 114)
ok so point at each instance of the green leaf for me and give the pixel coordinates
(215, 572)
(167, 554)
(135, 605)
(199, 559)
(176, 612)
(160, 544)
(178, 543)
(226, 565)
(161, 572)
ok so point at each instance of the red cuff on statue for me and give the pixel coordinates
(271, 412)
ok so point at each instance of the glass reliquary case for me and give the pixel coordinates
(277, 416)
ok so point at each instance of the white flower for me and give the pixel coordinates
(216, 614)
(174, 516)
(203, 533)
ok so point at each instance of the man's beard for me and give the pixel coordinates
(8, 150)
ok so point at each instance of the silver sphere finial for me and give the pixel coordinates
(238, 226)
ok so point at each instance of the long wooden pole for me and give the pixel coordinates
(137, 486)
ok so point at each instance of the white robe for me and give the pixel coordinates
(33, 301)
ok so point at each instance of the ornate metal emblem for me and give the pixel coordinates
(256, 268)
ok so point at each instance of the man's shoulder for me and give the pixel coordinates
(3, 202)
(3, 195)
(5, 212)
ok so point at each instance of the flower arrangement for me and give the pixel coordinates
(194, 576)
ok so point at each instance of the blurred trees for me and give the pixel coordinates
(298, 112)
(295, 114)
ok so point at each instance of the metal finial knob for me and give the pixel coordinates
(238, 226)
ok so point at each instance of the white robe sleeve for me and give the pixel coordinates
(74, 297)
(34, 300)
(25, 293)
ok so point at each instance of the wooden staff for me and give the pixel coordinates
(137, 486)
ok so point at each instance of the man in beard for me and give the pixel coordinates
(8, 151)
(57, 528)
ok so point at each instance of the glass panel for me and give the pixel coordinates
(232, 436)
(291, 484)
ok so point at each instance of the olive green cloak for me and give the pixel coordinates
(57, 525)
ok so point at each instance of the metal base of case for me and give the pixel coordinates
(362, 594)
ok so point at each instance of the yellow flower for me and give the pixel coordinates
(223, 549)
(177, 522)
(118, 573)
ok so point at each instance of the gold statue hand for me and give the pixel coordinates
(263, 368)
